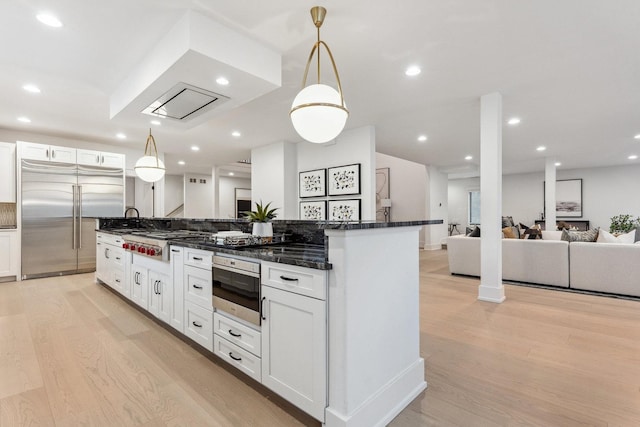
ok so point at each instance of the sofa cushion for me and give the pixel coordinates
(606, 237)
(637, 234)
(580, 236)
(507, 221)
(475, 232)
(511, 232)
(551, 235)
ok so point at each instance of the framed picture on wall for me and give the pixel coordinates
(568, 198)
(316, 210)
(313, 183)
(344, 210)
(344, 180)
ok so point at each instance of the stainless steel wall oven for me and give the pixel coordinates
(236, 288)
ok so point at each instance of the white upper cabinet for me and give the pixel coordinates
(47, 153)
(100, 158)
(7, 173)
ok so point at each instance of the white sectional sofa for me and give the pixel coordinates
(606, 267)
(532, 261)
(592, 266)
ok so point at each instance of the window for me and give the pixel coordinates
(474, 207)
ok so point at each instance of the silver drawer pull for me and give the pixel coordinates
(197, 258)
(197, 325)
(197, 287)
(118, 280)
(238, 359)
(175, 250)
(234, 335)
(288, 279)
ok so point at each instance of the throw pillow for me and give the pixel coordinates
(580, 236)
(511, 233)
(532, 233)
(606, 237)
(507, 221)
(475, 232)
(524, 227)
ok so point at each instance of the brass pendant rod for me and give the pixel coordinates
(317, 43)
(333, 63)
(147, 151)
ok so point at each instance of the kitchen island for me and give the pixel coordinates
(345, 349)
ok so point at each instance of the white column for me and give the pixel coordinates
(550, 194)
(491, 288)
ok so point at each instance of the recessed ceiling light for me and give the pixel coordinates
(31, 88)
(195, 148)
(637, 136)
(514, 121)
(48, 19)
(422, 138)
(413, 70)
(156, 122)
(468, 158)
(632, 157)
(557, 164)
(181, 162)
(24, 119)
(235, 133)
(121, 135)
(541, 148)
(222, 81)
(231, 174)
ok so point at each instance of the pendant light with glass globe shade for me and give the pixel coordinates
(319, 112)
(149, 167)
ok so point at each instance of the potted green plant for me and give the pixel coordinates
(261, 219)
(621, 224)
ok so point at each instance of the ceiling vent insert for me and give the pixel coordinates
(184, 102)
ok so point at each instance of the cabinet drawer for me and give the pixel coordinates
(237, 333)
(241, 359)
(116, 255)
(110, 239)
(199, 325)
(198, 258)
(198, 283)
(300, 280)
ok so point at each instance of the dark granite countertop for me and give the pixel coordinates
(300, 254)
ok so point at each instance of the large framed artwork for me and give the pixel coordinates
(316, 210)
(568, 198)
(344, 180)
(344, 210)
(313, 183)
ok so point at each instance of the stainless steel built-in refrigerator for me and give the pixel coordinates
(59, 206)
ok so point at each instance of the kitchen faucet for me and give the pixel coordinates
(137, 212)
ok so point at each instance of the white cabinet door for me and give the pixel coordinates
(294, 349)
(53, 153)
(160, 295)
(7, 172)
(102, 264)
(8, 253)
(88, 157)
(33, 151)
(140, 286)
(176, 258)
(62, 154)
(111, 160)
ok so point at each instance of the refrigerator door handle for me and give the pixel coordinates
(79, 216)
(74, 214)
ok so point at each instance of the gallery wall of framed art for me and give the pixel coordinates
(314, 186)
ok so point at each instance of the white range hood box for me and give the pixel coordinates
(195, 52)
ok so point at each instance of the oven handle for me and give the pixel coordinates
(237, 270)
(262, 308)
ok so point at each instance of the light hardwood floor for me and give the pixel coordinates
(74, 353)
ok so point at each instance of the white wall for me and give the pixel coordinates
(173, 192)
(227, 194)
(437, 207)
(408, 189)
(274, 177)
(352, 146)
(198, 196)
(606, 192)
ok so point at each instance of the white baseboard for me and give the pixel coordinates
(433, 247)
(386, 403)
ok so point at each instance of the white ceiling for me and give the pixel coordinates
(569, 69)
